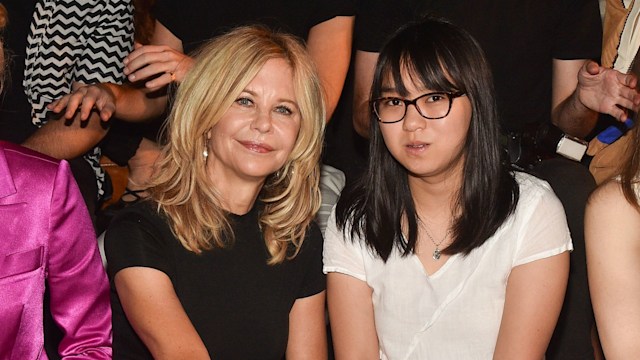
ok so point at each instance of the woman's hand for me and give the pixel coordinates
(85, 99)
(157, 65)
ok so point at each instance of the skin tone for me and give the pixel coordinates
(580, 89)
(93, 105)
(69, 137)
(353, 329)
(101, 99)
(433, 153)
(529, 319)
(254, 137)
(329, 44)
(252, 140)
(577, 99)
(155, 312)
(612, 230)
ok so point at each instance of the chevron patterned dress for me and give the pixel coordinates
(81, 41)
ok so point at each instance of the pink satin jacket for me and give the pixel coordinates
(46, 235)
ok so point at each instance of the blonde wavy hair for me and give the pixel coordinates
(182, 188)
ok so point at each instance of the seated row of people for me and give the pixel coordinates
(230, 212)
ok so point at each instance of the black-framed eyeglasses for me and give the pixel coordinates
(433, 105)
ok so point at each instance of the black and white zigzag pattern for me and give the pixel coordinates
(75, 41)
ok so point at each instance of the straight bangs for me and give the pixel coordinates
(430, 66)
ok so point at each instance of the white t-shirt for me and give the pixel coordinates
(454, 313)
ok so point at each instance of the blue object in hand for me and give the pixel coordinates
(613, 132)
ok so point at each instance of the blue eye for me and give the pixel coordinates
(283, 110)
(243, 101)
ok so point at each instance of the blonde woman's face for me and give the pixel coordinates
(256, 135)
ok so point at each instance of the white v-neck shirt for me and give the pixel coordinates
(454, 313)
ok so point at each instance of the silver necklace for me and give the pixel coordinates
(436, 253)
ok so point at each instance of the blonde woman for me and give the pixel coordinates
(224, 261)
(612, 235)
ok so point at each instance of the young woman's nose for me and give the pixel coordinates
(413, 120)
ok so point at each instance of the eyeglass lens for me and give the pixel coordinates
(430, 106)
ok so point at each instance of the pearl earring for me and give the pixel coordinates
(205, 152)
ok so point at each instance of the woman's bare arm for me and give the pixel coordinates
(307, 329)
(612, 236)
(351, 316)
(534, 297)
(156, 314)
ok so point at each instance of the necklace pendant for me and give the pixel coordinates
(436, 254)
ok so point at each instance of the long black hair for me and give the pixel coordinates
(441, 57)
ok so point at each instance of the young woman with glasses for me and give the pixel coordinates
(441, 251)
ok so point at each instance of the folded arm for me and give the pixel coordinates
(329, 44)
(364, 67)
(68, 139)
(150, 70)
(97, 62)
(106, 100)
